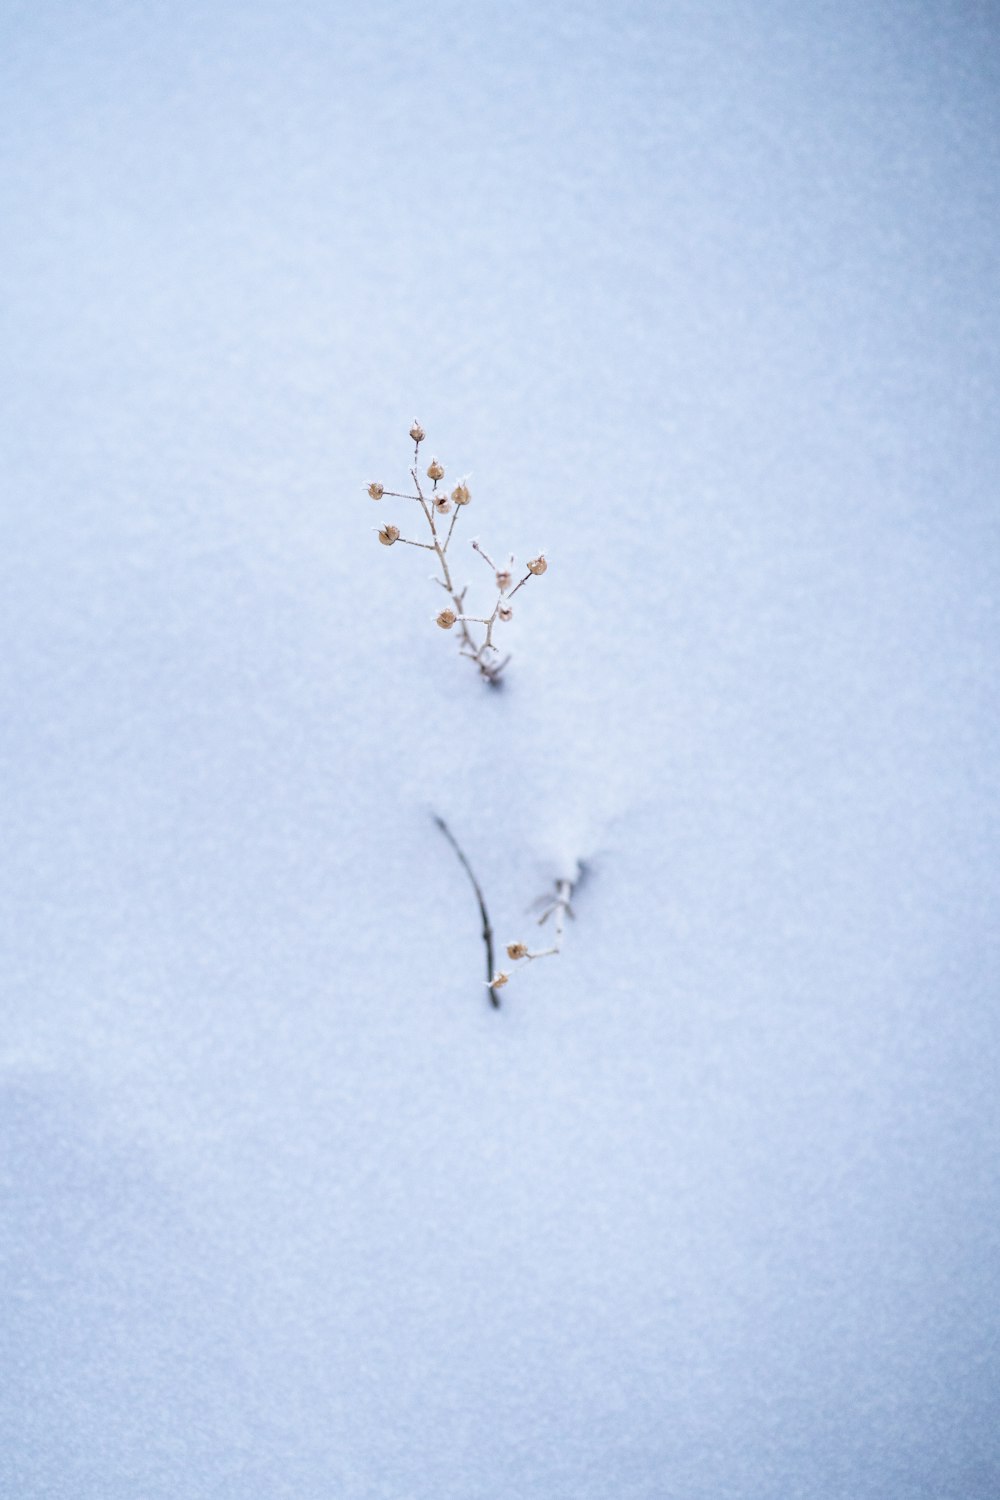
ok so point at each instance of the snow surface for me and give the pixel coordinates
(705, 298)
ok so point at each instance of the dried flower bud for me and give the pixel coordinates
(388, 535)
(503, 580)
(447, 618)
(537, 565)
(499, 979)
(517, 950)
(417, 433)
(435, 470)
(460, 494)
(376, 490)
(505, 613)
(442, 504)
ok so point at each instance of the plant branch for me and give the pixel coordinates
(519, 585)
(436, 502)
(520, 953)
(487, 929)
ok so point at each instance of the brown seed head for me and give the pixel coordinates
(460, 494)
(388, 535)
(447, 618)
(417, 433)
(499, 979)
(442, 504)
(517, 950)
(503, 580)
(537, 565)
(376, 490)
(505, 613)
(435, 470)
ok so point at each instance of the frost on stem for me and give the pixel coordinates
(435, 504)
(556, 904)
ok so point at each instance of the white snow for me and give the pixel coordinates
(704, 297)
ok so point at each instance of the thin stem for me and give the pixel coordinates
(491, 622)
(561, 907)
(487, 929)
(520, 585)
(423, 503)
(564, 889)
(446, 580)
(451, 528)
(439, 542)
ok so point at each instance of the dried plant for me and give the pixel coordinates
(481, 901)
(477, 645)
(556, 903)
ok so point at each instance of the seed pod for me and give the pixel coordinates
(435, 470)
(417, 433)
(460, 494)
(517, 950)
(499, 979)
(376, 490)
(442, 505)
(388, 535)
(447, 618)
(537, 565)
(505, 613)
(503, 580)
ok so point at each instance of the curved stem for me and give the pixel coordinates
(487, 929)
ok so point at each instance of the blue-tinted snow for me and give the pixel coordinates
(705, 298)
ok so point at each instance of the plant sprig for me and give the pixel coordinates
(478, 646)
(556, 903)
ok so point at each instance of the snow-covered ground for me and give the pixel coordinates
(704, 297)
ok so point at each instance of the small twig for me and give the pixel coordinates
(519, 585)
(487, 929)
(454, 517)
(558, 903)
(437, 502)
